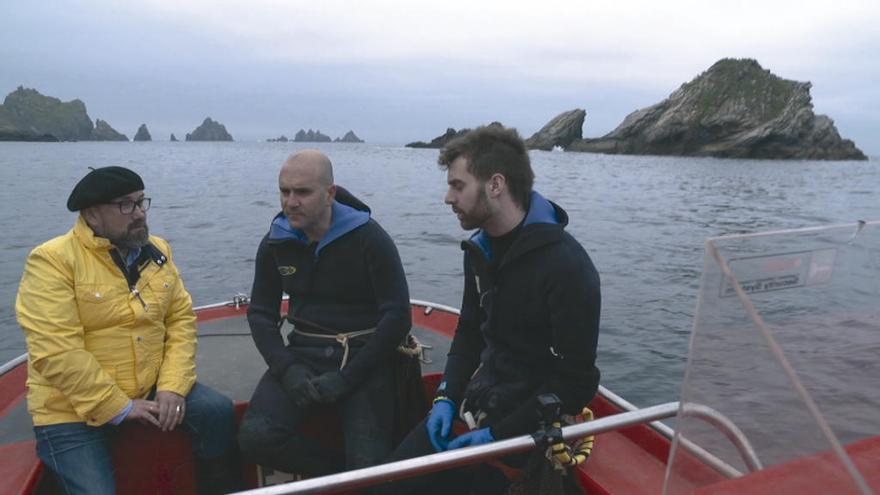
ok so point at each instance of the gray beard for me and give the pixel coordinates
(131, 241)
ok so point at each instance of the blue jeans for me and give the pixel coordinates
(80, 455)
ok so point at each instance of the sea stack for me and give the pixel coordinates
(349, 137)
(210, 130)
(103, 132)
(143, 134)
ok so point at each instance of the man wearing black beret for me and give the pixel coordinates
(111, 337)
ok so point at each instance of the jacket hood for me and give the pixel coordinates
(87, 236)
(543, 216)
(348, 213)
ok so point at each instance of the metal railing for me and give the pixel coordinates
(445, 460)
(12, 363)
(729, 429)
(747, 452)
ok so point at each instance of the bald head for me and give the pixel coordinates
(312, 163)
(307, 192)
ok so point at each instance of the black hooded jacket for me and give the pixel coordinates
(529, 321)
(351, 280)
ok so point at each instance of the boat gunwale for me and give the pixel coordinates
(421, 309)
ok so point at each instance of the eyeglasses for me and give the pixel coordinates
(127, 207)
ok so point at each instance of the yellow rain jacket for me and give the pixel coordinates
(93, 344)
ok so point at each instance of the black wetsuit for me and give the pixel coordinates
(351, 280)
(530, 323)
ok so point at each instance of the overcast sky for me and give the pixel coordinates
(399, 71)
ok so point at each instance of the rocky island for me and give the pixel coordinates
(27, 115)
(349, 137)
(143, 134)
(210, 130)
(735, 109)
(440, 141)
(311, 137)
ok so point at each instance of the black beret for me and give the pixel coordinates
(102, 185)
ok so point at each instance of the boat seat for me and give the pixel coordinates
(146, 462)
(21, 470)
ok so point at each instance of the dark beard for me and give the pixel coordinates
(133, 240)
(478, 214)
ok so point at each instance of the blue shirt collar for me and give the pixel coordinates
(132, 257)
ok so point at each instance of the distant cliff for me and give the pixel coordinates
(349, 137)
(735, 109)
(103, 132)
(442, 140)
(143, 134)
(210, 130)
(27, 115)
(311, 136)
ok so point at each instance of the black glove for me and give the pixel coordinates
(330, 387)
(297, 383)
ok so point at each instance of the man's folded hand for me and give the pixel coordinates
(330, 386)
(297, 383)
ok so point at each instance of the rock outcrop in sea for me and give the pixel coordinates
(561, 131)
(173, 138)
(103, 132)
(442, 140)
(27, 115)
(210, 130)
(439, 141)
(735, 109)
(349, 137)
(280, 139)
(143, 134)
(311, 136)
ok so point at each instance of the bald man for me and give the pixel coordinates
(349, 304)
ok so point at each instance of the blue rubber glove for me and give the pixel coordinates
(439, 424)
(471, 438)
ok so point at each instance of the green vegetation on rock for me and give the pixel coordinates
(26, 112)
(735, 109)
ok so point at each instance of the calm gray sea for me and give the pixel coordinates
(642, 219)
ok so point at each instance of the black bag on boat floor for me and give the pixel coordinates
(411, 404)
(539, 477)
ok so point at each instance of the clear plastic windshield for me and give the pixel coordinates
(782, 389)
